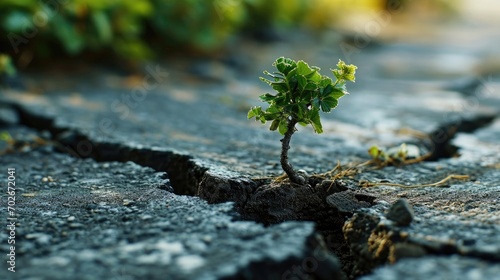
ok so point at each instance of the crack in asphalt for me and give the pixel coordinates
(184, 171)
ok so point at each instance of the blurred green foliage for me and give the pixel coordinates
(134, 29)
(6, 65)
(76, 26)
(142, 29)
(139, 29)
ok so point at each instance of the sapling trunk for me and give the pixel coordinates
(285, 146)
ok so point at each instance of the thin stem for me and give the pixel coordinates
(285, 146)
(338, 81)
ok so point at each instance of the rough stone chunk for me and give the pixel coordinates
(218, 186)
(346, 202)
(401, 212)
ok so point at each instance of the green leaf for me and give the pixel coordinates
(304, 69)
(291, 77)
(274, 125)
(295, 109)
(281, 100)
(285, 65)
(316, 103)
(272, 113)
(325, 81)
(315, 77)
(269, 82)
(375, 152)
(307, 97)
(283, 126)
(302, 110)
(328, 103)
(310, 86)
(279, 87)
(103, 27)
(302, 81)
(269, 116)
(273, 109)
(68, 34)
(267, 97)
(315, 121)
(6, 65)
(280, 64)
(338, 93)
(275, 76)
(254, 112)
(327, 90)
(5, 136)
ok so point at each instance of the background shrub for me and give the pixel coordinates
(141, 29)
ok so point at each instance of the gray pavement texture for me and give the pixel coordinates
(79, 219)
(447, 267)
(195, 131)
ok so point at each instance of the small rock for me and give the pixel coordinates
(71, 218)
(163, 259)
(164, 225)
(401, 212)
(146, 217)
(303, 173)
(128, 202)
(219, 186)
(88, 255)
(170, 247)
(41, 238)
(207, 238)
(76, 225)
(197, 245)
(190, 262)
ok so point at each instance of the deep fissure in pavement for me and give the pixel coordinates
(441, 138)
(186, 173)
